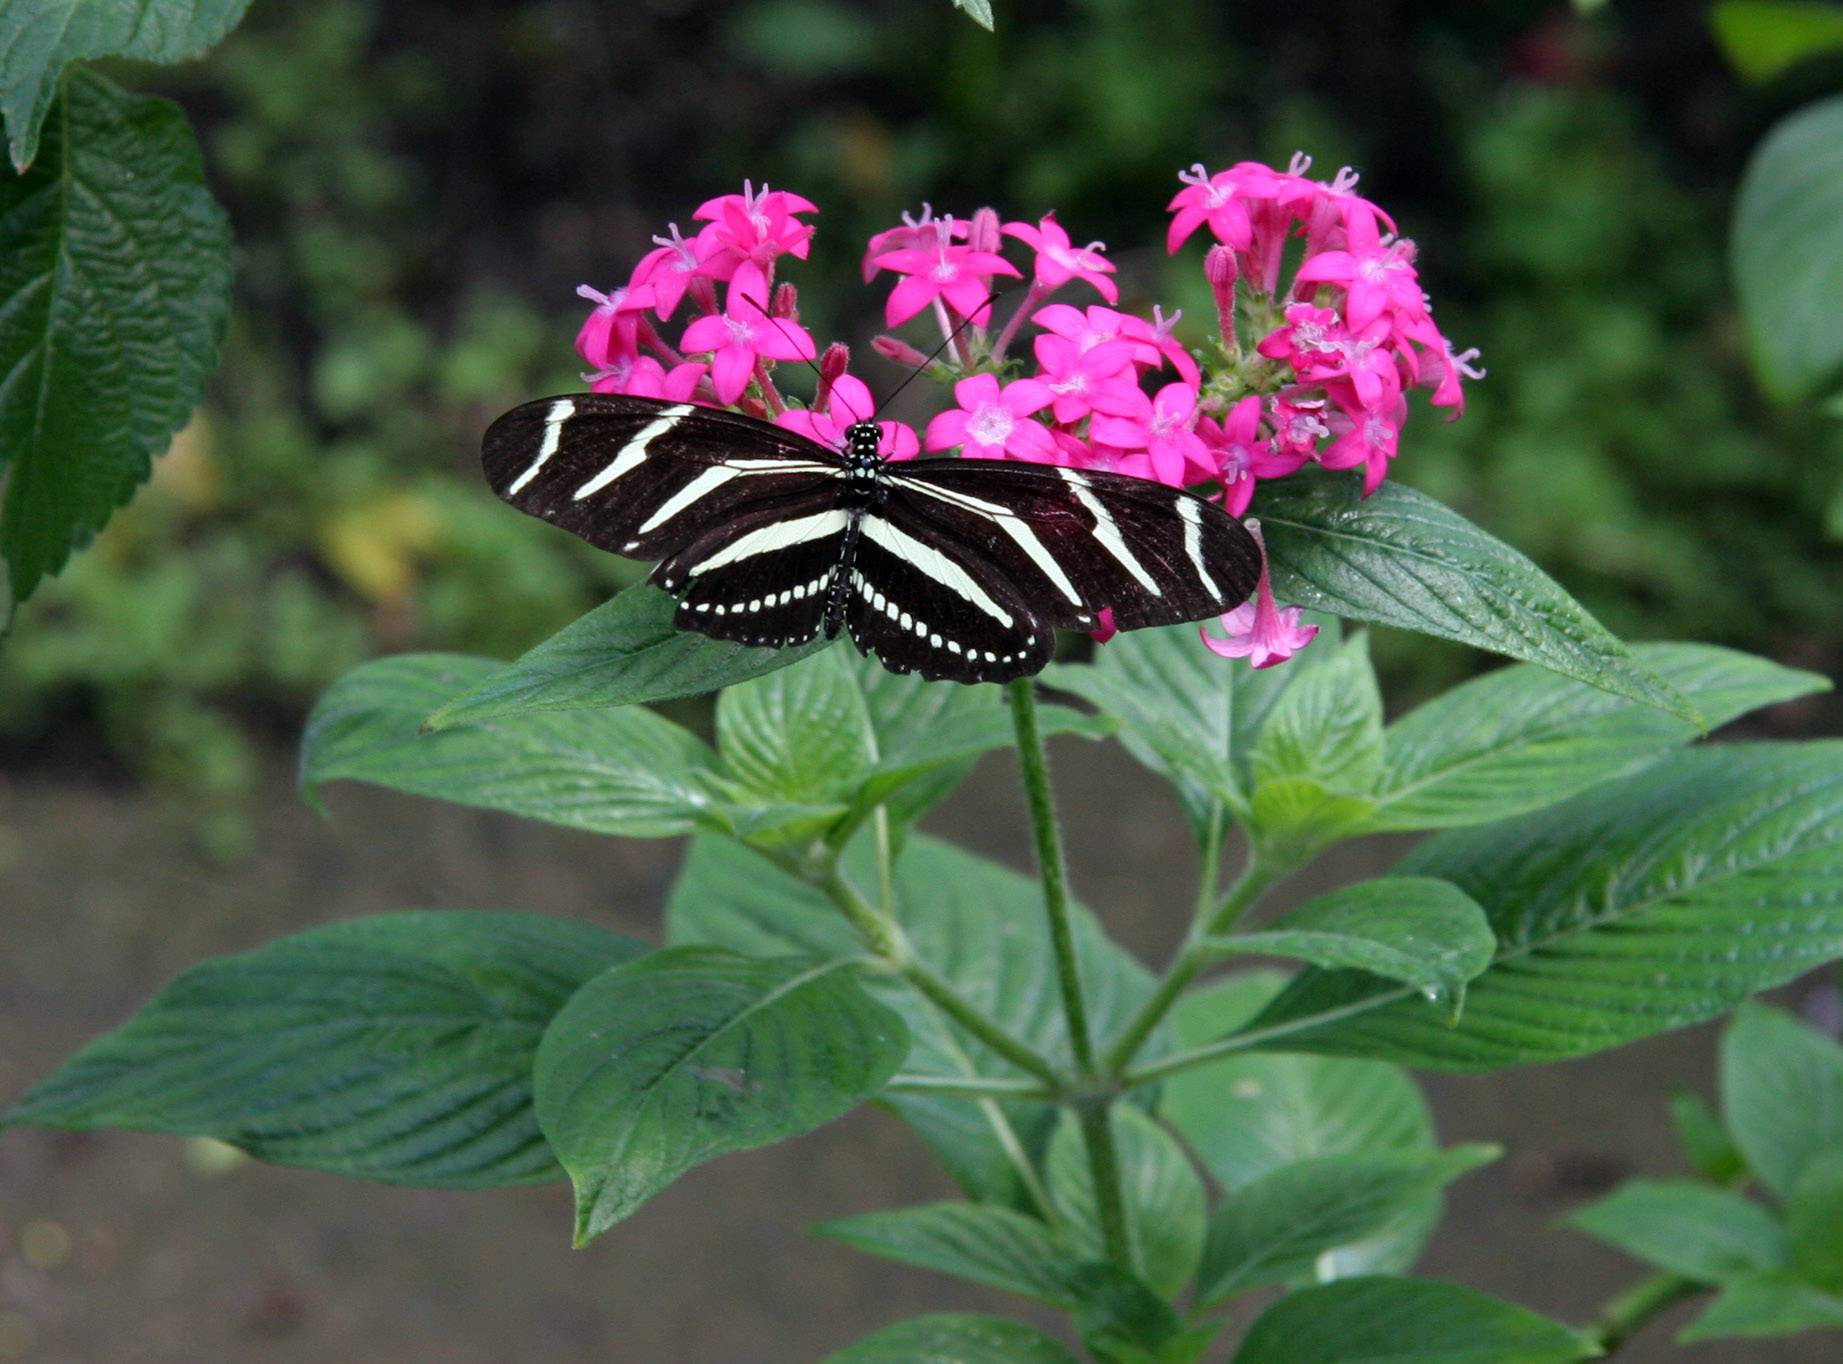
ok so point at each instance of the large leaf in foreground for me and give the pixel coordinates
(1787, 253)
(1641, 905)
(977, 923)
(114, 293)
(1373, 1321)
(1400, 558)
(624, 652)
(1521, 738)
(669, 1061)
(624, 771)
(396, 1048)
(39, 37)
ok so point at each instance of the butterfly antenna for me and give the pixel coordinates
(934, 355)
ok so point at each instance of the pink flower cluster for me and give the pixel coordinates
(1312, 370)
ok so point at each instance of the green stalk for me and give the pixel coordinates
(1092, 1110)
(1629, 1311)
(1245, 1041)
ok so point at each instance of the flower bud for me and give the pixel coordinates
(1219, 266)
(786, 302)
(899, 351)
(986, 234)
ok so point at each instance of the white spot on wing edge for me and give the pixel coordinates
(926, 559)
(560, 411)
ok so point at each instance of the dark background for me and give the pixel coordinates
(416, 193)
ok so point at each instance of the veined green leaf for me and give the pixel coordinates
(1400, 558)
(1165, 1209)
(1701, 1232)
(624, 652)
(1786, 252)
(1275, 1228)
(1418, 930)
(397, 1048)
(974, 1241)
(797, 734)
(39, 37)
(1781, 1093)
(625, 772)
(954, 1338)
(1640, 905)
(1522, 737)
(1379, 1321)
(114, 293)
(666, 1062)
(1765, 1305)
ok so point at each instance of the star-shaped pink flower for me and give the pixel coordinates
(1236, 446)
(848, 402)
(1160, 433)
(991, 423)
(755, 227)
(645, 377)
(1378, 278)
(1212, 199)
(1058, 260)
(958, 275)
(1098, 379)
(1258, 630)
(744, 333)
(613, 328)
(669, 268)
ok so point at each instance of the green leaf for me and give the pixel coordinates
(979, 924)
(1781, 1093)
(1275, 1228)
(1122, 1321)
(798, 734)
(1521, 738)
(1400, 558)
(1405, 1321)
(1327, 726)
(1425, 933)
(1703, 1233)
(1705, 1143)
(924, 729)
(397, 1047)
(114, 291)
(979, 11)
(625, 772)
(1765, 38)
(39, 37)
(1641, 905)
(1165, 1210)
(974, 1241)
(1787, 253)
(954, 1338)
(625, 652)
(1770, 1305)
(1814, 1216)
(1251, 1113)
(1181, 712)
(669, 1061)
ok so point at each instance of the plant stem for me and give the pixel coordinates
(1104, 1165)
(1254, 1037)
(1209, 919)
(968, 1087)
(1050, 866)
(1626, 1313)
(885, 937)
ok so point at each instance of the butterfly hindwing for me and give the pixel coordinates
(1075, 541)
(643, 476)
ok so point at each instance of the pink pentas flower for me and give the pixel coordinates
(1208, 199)
(1378, 278)
(644, 377)
(1161, 436)
(957, 275)
(754, 226)
(991, 423)
(669, 268)
(1083, 381)
(849, 402)
(1259, 631)
(744, 333)
(1366, 437)
(1298, 424)
(917, 231)
(1058, 260)
(613, 328)
(1235, 446)
(1158, 334)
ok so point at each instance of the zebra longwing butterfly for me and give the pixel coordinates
(953, 568)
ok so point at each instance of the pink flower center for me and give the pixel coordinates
(742, 332)
(990, 425)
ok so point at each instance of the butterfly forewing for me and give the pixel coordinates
(642, 476)
(953, 568)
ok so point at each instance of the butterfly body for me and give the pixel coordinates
(956, 568)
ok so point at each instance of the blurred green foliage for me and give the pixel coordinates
(414, 199)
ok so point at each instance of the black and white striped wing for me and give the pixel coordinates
(992, 556)
(763, 575)
(645, 477)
